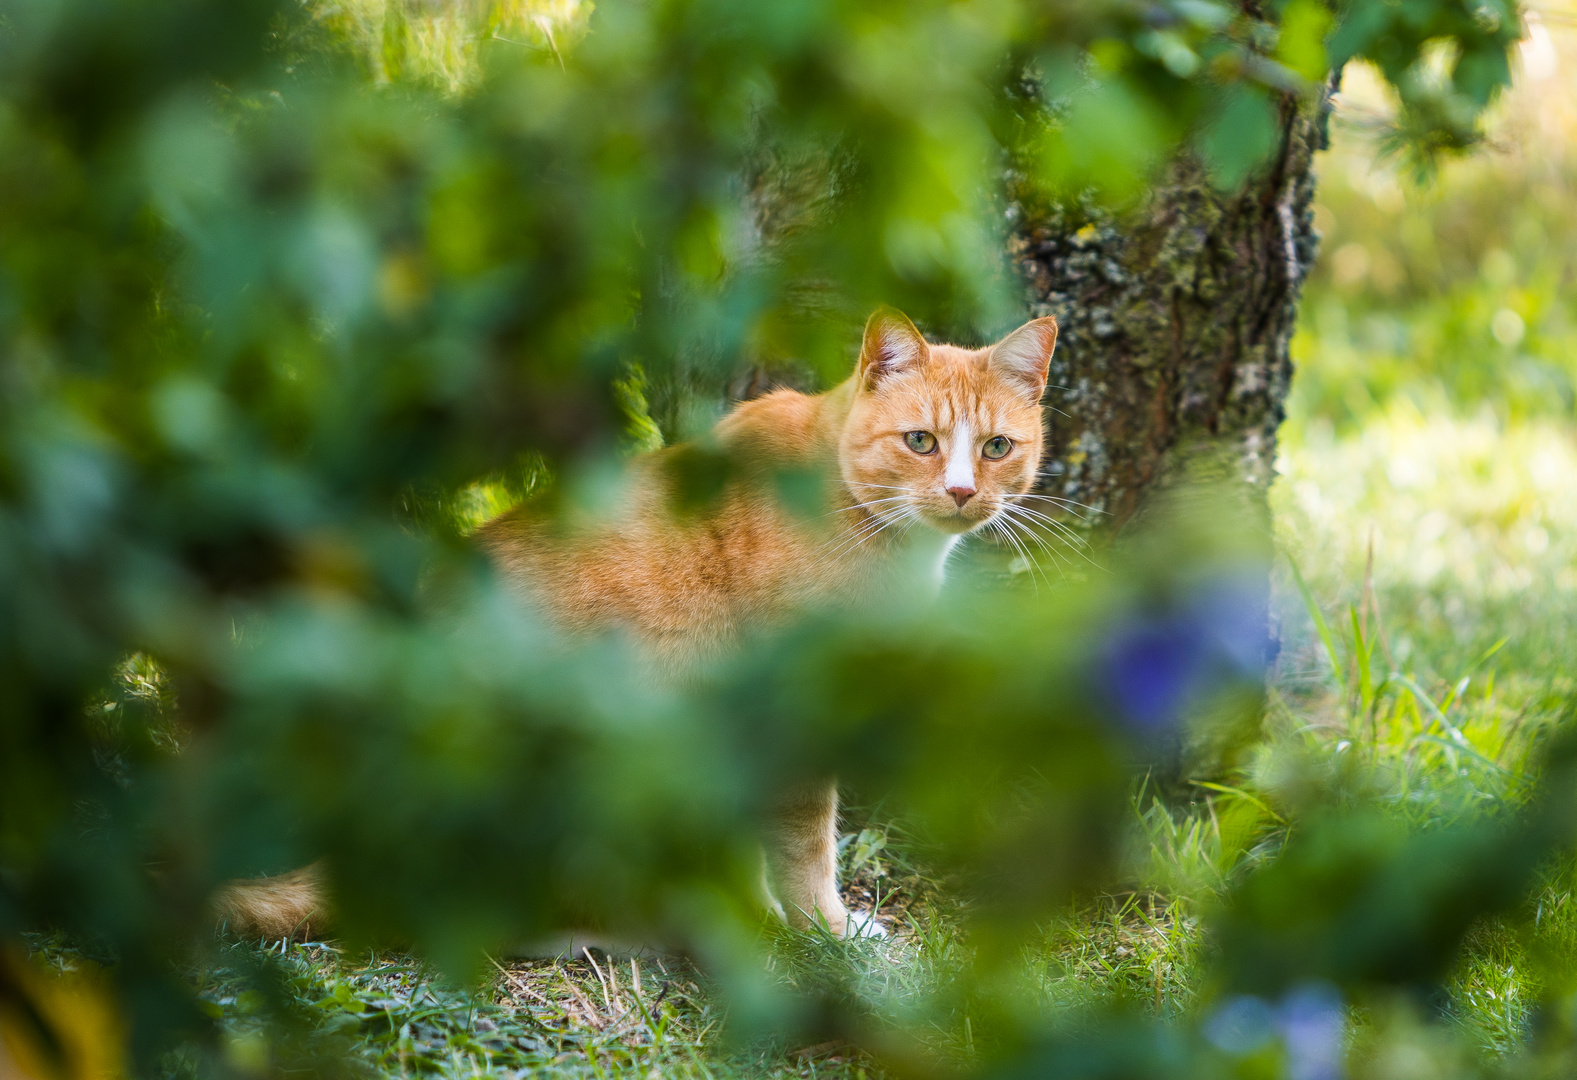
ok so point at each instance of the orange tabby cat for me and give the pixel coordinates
(923, 435)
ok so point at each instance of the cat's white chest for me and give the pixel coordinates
(926, 558)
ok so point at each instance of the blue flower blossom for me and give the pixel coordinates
(1150, 667)
(1312, 1025)
(1154, 665)
(1309, 1020)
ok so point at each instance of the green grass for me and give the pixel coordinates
(310, 1002)
(297, 1005)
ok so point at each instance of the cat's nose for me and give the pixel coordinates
(961, 495)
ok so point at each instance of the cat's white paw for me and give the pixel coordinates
(863, 924)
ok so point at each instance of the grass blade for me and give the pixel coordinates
(1320, 625)
(1361, 651)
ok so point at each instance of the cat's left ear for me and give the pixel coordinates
(1024, 356)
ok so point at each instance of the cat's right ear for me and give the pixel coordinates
(1024, 356)
(891, 345)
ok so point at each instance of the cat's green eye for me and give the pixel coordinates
(921, 442)
(997, 447)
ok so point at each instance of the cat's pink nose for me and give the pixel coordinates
(961, 495)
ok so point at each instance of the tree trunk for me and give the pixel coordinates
(1176, 321)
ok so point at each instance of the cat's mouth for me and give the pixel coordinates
(958, 521)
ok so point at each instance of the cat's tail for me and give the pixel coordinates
(284, 906)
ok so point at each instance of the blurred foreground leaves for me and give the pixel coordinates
(265, 322)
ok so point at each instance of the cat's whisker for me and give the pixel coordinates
(1065, 536)
(914, 519)
(1063, 565)
(1063, 528)
(870, 503)
(1058, 506)
(1064, 502)
(871, 514)
(867, 529)
(847, 549)
(1039, 540)
(1064, 532)
(1000, 528)
(870, 526)
(1012, 514)
(1009, 525)
(894, 517)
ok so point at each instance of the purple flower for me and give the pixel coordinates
(1233, 611)
(1154, 665)
(1309, 1020)
(1149, 667)
(1312, 1024)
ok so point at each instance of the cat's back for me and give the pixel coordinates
(686, 571)
(782, 428)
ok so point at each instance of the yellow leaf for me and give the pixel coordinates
(82, 1037)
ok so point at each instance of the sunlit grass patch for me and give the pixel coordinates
(584, 1012)
(1472, 524)
(441, 41)
(1438, 548)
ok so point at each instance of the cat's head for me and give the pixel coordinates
(940, 434)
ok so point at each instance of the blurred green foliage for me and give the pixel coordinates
(289, 296)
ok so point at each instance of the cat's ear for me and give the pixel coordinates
(891, 345)
(1024, 356)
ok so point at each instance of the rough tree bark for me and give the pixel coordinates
(1176, 320)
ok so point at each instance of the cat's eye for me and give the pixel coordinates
(997, 447)
(921, 442)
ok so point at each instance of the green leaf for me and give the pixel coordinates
(1301, 45)
(1239, 137)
